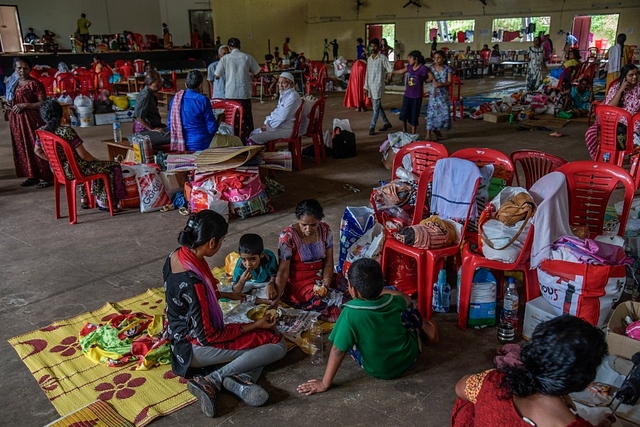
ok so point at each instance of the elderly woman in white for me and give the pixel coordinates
(280, 122)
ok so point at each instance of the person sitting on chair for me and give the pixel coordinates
(280, 122)
(147, 117)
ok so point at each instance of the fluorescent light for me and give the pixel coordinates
(605, 5)
(451, 13)
(330, 18)
(385, 16)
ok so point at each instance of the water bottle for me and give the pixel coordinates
(509, 313)
(315, 343)
(117, 132)
(606, 157)
(441, 301)
(74, 121)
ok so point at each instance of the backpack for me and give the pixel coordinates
(344, 144)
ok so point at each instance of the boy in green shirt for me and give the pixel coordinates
(379, 328)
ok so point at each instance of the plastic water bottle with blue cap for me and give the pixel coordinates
(441, 301)
(117, 132)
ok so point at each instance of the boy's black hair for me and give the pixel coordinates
(251, 244)
(365, 275)
(566, 86)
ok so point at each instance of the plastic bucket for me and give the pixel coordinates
(133, 96)
(86, 116)
(120, 101)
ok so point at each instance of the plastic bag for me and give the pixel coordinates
(205, 196)
(368, 246)
(230, 262)
(342, 124)
(402, 273)
(225, 129)
(355, 222)
(65, 99)
(482, 305)
(150, 188)
(339, 66)
(132, 200)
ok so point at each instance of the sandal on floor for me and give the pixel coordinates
(43, 184)
(201, 388)
(250, 393)
(29, 182)
(84, 204)
(436, 335)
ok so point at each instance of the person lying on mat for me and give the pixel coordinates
(280, 122)
(51, 112)
(561, 358)
(197, 331)
(380, 328)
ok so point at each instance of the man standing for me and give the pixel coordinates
(378, 67)
(147, 120)
(237, 68)
(325, 51)
(279, 123)
(217, 85)
(335, 46)
(83, 29)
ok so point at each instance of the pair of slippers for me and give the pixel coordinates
(250, 393)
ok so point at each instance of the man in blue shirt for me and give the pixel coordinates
(217, 85)
(199, 125)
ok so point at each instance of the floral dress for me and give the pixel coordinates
(438, 115)
(534, 70)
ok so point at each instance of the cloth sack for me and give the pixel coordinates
(356, 220)
(368, 246)
(583, 290)
(254, 206)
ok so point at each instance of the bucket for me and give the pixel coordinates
(120, 101)
(133, 96)
(86, 116)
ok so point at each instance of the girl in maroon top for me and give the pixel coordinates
(562, 357)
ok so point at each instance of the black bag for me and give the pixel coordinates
(102, 106)
(344, 144)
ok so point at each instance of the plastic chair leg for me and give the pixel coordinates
(316, 148)
(71, 202)
(109, 197)
(465, 294)
(56, 190)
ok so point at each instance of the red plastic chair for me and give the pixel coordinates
(87, 82)
(48, 83)
(139, 65)
(457, 102)
(317, 78)
(316, 116)
(66, 82)
(429, 261)
(232, 114)
(424, 155)
(126, 70)
(139, 41)
(119, 63)
(294, 141)
(608, 118)
(174, 84)
(565, 76)
(484, 156)
(590, 185)
(152, 41)
(472, 260)
(51, 144)
(196, 43)
(535, 164)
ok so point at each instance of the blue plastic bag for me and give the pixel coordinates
(356, 221)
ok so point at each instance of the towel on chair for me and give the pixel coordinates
(454, 184)
(551, 220)
(177, 136)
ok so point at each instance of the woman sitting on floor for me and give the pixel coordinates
(305, 249)
(199, 336)
(561, 358)
(51, 112)
(625, 94)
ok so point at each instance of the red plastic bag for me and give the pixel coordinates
(583, 290)
(402, 272)
(131, 187)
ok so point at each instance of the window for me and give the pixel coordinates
(522, 29)
(460, 31)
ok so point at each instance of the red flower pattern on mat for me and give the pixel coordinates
(169, 375)
(67, 346)
(48, 383)
(50, 328)
(142, 415)
(37, 344)
(88, 423)
(112, 315)
(122, 387)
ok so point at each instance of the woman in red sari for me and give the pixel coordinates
(24, 98)
(306, 257)
(354, 97)
(561, 358)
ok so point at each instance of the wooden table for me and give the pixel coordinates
(518, 67)
(33, 47)
(116, 149)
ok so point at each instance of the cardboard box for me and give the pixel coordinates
(619, 343)
(536, 311)
(495, 117)
(109, 118)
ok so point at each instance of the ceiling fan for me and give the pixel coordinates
(359, 4)
(413, 2)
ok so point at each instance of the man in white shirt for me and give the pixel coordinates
(280, 122)
(217, 85)
(378, 69)
(237, 68)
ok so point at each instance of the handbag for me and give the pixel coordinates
(519, 207)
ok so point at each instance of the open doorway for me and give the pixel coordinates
(10, 32)
(201, 25)
(595, 31)
(382, 31)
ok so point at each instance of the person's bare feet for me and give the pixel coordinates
(430, 330)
